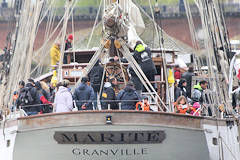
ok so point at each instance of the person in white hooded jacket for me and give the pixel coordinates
(63, 100)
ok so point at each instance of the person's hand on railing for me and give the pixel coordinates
(84, 106)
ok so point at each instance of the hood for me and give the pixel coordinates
(38, 85)
(107, 85)
(197, 87)
(129, 89)
(140, 48)
(56, 46)
(82, 86)
(29, 85)
(62, 89)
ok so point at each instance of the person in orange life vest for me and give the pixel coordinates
(181, 105)
(194, 110)
(144, 106)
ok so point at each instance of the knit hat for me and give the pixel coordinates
(70, 36)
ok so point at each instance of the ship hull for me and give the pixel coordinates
(132, 135)
(42, 145)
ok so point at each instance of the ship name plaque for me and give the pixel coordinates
(110, 137)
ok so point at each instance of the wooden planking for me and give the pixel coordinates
(118, 118)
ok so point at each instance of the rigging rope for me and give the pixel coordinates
(192, 32)
(65, 23)
(163, 54)
(46, 52)
(23, 49)
(95, 23)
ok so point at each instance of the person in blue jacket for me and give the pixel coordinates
(84, 95)
(128, 97)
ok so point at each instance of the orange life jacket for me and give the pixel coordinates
(144, 106)
(15, 97)
(193, 110)
(181, 110)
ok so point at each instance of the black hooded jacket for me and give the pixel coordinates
(35, 97)
(182, 88)
(108, 97)
(42, 91)
(188, 76)
(95, 77)
(134, 78)
(144, 59)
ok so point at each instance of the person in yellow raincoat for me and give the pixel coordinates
(55, 53)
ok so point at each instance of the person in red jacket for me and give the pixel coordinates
(177, 73)
(68, 45)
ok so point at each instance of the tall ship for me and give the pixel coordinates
(102, 134)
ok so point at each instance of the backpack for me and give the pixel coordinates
(26, 97)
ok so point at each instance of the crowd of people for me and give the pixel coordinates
(186, 100)
(39, 97)
(34, 97)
